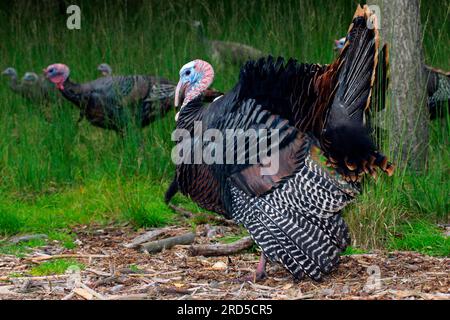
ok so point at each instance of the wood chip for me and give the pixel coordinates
(219, 266)
(83, 293)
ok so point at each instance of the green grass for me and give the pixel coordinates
(103, 201)
(233, 238)
(55, 267)
(66, 239)
(56, 175)
(10, 222)
(422, 237)
(135, 268)
(352, 250)
(20, 249)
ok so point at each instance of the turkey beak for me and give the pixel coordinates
(180, 92)
(45, 72)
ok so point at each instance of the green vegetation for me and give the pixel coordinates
(421, 236)
(352, 250)
(135, 269)
(55, 267)
(57, 174)
(20, 249)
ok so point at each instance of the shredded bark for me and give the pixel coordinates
(114, 272)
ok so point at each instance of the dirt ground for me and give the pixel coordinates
(115, 272)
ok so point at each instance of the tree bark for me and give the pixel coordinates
(408, 117)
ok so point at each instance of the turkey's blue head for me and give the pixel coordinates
(58, 74)
(30, 78)
(339, 44)
(195, 77)
(105, 69)
(10, 72)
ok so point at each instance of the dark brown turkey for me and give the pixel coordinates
(114, 102)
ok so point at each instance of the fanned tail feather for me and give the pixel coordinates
(346, 136)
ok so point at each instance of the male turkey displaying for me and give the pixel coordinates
(438, 86)
(226, 51)
(292, 213)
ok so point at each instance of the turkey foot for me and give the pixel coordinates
(260, 272)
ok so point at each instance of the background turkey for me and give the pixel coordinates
(40, 89)
(31, 86)
(226, 51)
(14, 83)
(438, 87)
(438, 90)
(115, 102)
(105, 70)
(293, 214)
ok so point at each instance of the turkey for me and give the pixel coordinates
(226, 51)
(14, 83)
(39, 89)
(438, 87)
(438, 90)
(30, 86)
(289, 201)
(115, 102)
(105, 70)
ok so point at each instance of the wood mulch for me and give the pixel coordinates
(113, 271)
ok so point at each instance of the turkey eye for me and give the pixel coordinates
(188, 72)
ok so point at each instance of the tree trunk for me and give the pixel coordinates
(408, 116)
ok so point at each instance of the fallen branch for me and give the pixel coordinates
(181, 211)
(98, 273)
(40, 278)
(83, 293)
(28, 237)
(67, 256)
(69, 296)
(92, 292)
(157, 246)
(215, 250)
(209, 217)
(146, 237)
